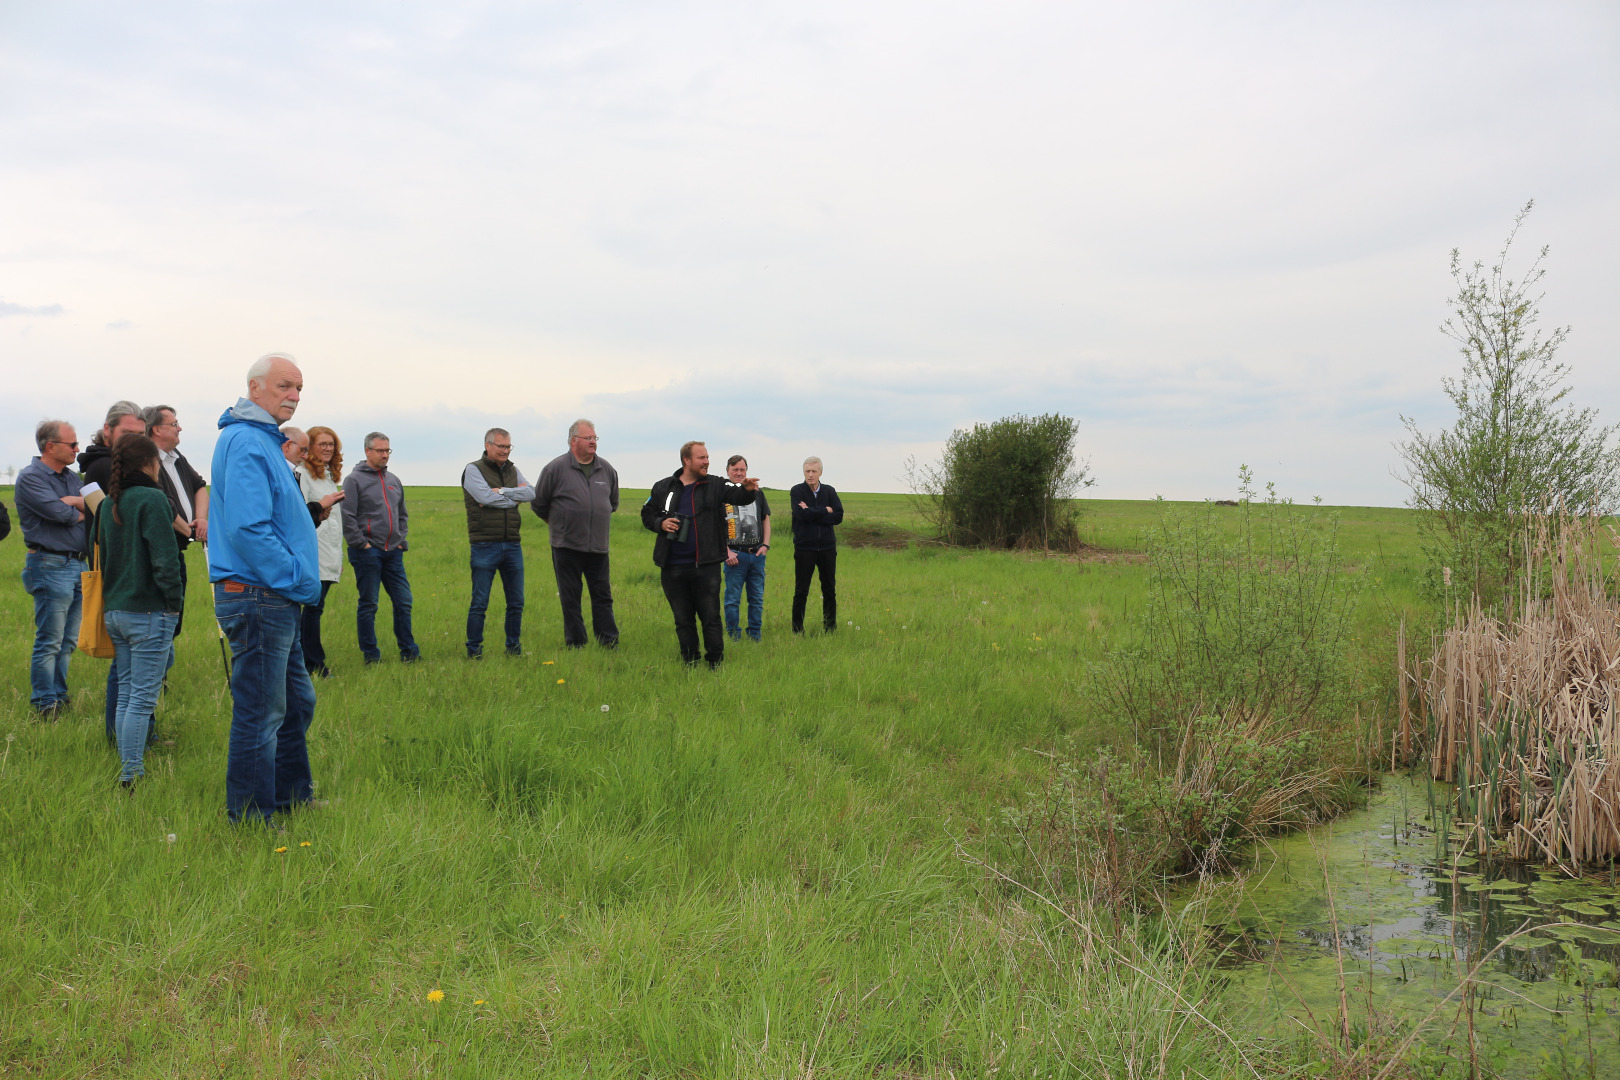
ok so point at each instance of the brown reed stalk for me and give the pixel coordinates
(1524, 708)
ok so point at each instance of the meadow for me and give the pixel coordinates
(602, 863)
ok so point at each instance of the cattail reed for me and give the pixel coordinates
(1523, 711)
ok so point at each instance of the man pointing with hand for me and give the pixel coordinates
(688, 512)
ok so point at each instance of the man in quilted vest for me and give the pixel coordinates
(494, 490)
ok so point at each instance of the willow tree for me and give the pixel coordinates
(1517, 447)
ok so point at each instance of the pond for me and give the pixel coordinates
(1410, 918)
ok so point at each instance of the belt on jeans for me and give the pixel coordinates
(232, 586)
(52, 551)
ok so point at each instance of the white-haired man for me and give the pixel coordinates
(264, 565)
(816, 510)
(576, 496)
(296, 448)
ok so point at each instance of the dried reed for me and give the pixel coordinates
(1522, 710)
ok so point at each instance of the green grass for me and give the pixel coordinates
(751, 872)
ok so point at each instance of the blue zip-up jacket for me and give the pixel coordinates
(259, 529)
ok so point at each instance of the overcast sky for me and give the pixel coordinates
(1215, 233)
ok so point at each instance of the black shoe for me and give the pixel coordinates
(129, 785)
(51, 713)
(372, 660)
(409, 658)
(471, 655)
(514, 652)
(714, 665)
(608, 643)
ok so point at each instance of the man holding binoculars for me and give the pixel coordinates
(688, 512)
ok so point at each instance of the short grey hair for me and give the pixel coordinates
(812, 460)
(153, 415)
(291, 430)
(261, 367)
(573, 429)
(47, 432)
(375, 436)
(489, 436)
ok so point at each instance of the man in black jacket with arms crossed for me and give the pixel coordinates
(688, 512)
(816, 510)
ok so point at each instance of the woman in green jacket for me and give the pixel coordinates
(141, 590)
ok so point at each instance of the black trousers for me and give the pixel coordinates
(695, 591)
(806, 563)
(570, 567)
(309, 631)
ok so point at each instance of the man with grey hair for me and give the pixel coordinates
(576, 496)
(816, 510)
(494, 491)
(50, 512)
(296, 448)
(95, 461)
(376, 525)
(263, 565)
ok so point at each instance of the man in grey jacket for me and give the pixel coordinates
(575, 496)
(375, 525)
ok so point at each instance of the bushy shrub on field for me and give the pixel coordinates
(1009, 484)
(1248, 609)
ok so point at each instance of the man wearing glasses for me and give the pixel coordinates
(576, 496)
(50, 511)
(375, 526)
(494, 491)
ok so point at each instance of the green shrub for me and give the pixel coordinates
(1009, 484)
(1122, 824)
(1248, 611)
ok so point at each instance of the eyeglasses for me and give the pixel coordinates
(62, 442)
(501, 445)
(175, 425)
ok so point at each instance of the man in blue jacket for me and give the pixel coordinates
(263, 565)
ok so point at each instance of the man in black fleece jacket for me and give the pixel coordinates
(688, 512)
(816, 510)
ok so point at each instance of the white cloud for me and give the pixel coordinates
(1216, 234)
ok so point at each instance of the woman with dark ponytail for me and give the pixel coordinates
(141, 588)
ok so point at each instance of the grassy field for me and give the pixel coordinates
(608, 865)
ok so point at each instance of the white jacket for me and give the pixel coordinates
(329, 533)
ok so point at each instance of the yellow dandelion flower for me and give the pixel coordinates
(548, 661)
(480, 1001)
(435, 996)
(303, 843)
(281, 851)
(561, 681)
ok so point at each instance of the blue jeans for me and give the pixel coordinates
(54, 582)
(111, 709)
(505, 556)
(749, 573)
(272, 703)
(142, 642)
(374, 567)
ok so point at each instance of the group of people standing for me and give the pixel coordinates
(281, 513)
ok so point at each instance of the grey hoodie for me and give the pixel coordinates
(374, 509)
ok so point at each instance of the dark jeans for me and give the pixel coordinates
(309, 629)
(374, 567)
(570, 566)
(695, 591)
(749, 575)
(272, 704)
(806, 563)
(488, 558)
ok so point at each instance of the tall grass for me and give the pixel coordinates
(754, 872)
(1522, 711)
